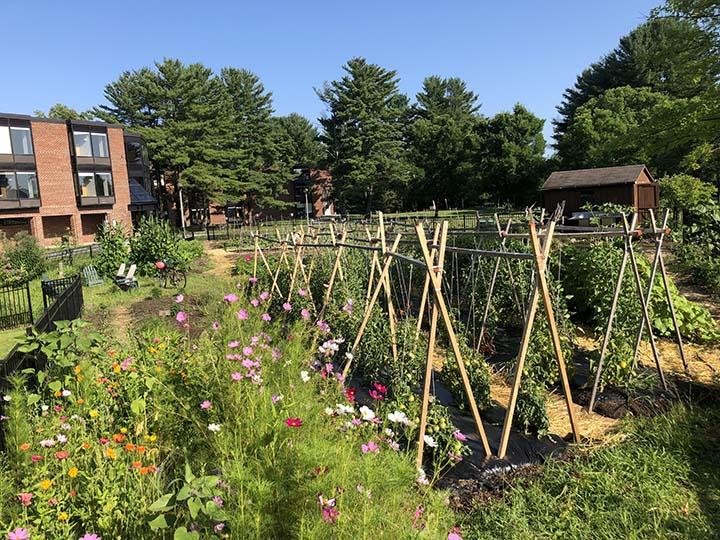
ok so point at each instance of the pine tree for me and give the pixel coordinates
(363, 133)
(297, 141)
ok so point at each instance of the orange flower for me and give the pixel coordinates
(110, 452)
(118, 437)
(58, 393)
(144, 470)
(86, 445)
(78, 369)
(136, 464)
(81, 400)
(25, 447)
(130, 447)
(140, 449)
(111, 353)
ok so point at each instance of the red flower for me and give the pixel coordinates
(160, 265)
(294, 422)
(350, 394)
(62, 455)
(380, 388)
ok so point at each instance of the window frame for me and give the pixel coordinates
(30, 139)
(94, 134)
(13, 184)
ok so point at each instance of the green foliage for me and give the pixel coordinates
(24, 256)
(154, 240)
(115, 248)
(684, 191)
(477, 370)
(297, 140)
(531, 409)
(363, 134)
(190, 250)
(63, 112)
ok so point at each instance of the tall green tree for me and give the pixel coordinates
(510, 158)
(651, 56)
(60, 111)
(298, 141)
(442, 138)
(363, 132)
(257, 171)
(184, 115)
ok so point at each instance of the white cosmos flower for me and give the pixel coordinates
(345, 409)
(305, 376)
(215, 428)
(7, 398)
(399, 417)
(329, 411)
(367, 413)
(66, 393)
(432, 443)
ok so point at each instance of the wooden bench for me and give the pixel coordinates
(91, 276)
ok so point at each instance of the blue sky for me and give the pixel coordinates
(508, 52)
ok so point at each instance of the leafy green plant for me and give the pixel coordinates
(25, 256)
(154, 240)
(531, 409)
(115, 248)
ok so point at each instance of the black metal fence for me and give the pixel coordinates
(15, 306)
(67, 296)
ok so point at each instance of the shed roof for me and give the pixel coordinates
(604, 176)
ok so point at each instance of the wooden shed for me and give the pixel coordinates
(630, 185)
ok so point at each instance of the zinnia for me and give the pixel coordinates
(25, 499)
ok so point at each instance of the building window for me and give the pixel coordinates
(15, 140)
(18, 185)
(95, 184)
(90, 144)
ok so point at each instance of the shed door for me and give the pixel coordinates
(647, 196)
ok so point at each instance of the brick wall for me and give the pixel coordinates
(121, 184)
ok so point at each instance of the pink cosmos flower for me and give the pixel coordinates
(216, 326)
(181, 317)
(217, 499)
(371, 446)
(19, 534)
(248, 351)
(459, 435)
(125, 364)
(264, 295)
(233, 345)
(417, 518)
(305, 314)
(454, 534)
(266, 317)
(25, 498)
(242, 315)
(230, 298)
(255, 302)
(63, 454)
(253, 280)
(294, 422)
(236, 376)
(275, 398)
(287, 306)
(302, 292)
(206, 405)
(330, 515)
(91, 536)
(179, 298)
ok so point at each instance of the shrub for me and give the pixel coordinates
(25, 255)
(154, 240)
(531, 409)
(115, 248)
(190, 250)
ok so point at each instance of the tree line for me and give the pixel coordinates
(654, 99)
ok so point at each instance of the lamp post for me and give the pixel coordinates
(307, 208)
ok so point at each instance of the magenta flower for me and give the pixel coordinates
(302, 292)
(371, 446)
(330, 515)
(217, 499)
(459, 435)
(19, 534)
(305, 314)
(91, 536)
(264, 295)
(247, 351)
(181, 317)
(25, 499)
(230, 298)
(287, 306)
(253, 280)
(275, 398)
(233, 345)
(236, 376)
(454, 534)
(206, 405)
(255, 302)
(266, 317)
(216, 326)
(179, 298)
(294, 422)
(242, 315)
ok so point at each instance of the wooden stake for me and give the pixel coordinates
(524, 345)
(369, 306)
(269, 270)
(541, 264)
(436, 283)
(426, 285)
(334, 271)
(388, 293)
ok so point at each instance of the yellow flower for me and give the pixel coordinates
(46, 484)
(116, 368)
(162, 346)
(110, 452)
(80, 378)
(63, 516)
(73, 472)
(123, 430)
(151, 438)
(152, 350)
(94, 413)
(78, 369)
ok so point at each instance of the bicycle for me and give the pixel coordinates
(172, 272)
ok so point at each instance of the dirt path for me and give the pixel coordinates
(221, 260)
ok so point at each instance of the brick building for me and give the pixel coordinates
(59, 177)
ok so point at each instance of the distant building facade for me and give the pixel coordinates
(61, 177)
(630, 185)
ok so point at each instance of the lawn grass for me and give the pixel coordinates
(662, 481)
